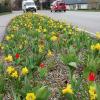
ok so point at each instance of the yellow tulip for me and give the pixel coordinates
(25, 71)
(10, 69)
(30, 96)
(97, 46)
(9, 58)
(68, 89)
(14, 74)
(49, 53)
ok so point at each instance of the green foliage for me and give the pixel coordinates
(38, 39)
(42, 72)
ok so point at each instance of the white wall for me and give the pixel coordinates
(84, 6)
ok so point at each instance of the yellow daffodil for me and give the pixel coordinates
(25, 71)
(97, 46)
(64, 29)
(92, 47)
(50, 53)
(53, 33)
(76, 29)
(7, 38)
(68, 89)
(14, 74)
(1, 46)
(30, 96)
(45, 30)
(9, 58)
(25, 41)
(41, 48)
(54, 38)
(69, 26)
(98, 35)
(39, 30)
(20, 46)
(92, 92)
(40, 27)
(10, 69)
(12, 35)
(61, 26)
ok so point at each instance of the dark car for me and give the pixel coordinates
(58, 6)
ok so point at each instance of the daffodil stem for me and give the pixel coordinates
(72, 97)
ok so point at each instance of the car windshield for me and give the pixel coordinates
(30, 3)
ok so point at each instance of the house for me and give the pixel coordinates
(82, 4)
(94, 4)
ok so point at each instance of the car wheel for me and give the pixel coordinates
(55, 10)
(51, 10)
(64, 10)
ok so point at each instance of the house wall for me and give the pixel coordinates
(94, 5)
(83, 6)
(77, 6)
(87, 4)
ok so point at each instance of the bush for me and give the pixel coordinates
(5, 7)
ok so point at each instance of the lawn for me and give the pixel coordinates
(44, 59)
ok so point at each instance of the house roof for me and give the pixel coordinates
(76, 1)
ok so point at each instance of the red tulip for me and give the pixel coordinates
(42, 65)
(17, 55)
(91, 76)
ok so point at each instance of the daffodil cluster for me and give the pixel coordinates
(12, 71)
(8, 58)
(96, 46)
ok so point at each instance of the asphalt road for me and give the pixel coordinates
(89, 21)
(4, 20)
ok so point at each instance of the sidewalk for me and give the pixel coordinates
(4, 20)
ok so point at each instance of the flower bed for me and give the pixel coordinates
(45, 59)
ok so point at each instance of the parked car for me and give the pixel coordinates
(29, 5)
(58, 6)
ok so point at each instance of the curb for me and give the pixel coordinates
(90, 33)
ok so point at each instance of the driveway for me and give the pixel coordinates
(89, 21)
(4, 20)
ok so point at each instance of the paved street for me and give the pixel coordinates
(89, 21)
(4, 20)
